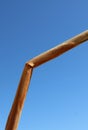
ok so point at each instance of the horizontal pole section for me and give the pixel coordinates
(58, 50)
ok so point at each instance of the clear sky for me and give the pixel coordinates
(58, 94)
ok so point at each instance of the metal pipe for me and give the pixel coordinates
(58, 50)
(15, 113)
(14, 116)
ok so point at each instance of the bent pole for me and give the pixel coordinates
(15, 113)
(58, 50)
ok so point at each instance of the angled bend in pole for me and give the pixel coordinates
(14, 116)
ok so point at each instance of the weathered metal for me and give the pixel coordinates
(15, 113)
(14, 116)
(58, 50)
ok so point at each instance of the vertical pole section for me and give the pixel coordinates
(15, 113)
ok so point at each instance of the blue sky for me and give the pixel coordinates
(58, 94)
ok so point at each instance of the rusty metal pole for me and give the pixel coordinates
(58, 50)
(15, 113)
(14, 116)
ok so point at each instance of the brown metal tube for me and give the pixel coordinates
(14, 116)
(58, 50)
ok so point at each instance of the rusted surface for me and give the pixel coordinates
(58, 50)
(18, 103)
(14, 116)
